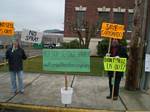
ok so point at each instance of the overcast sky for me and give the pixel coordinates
(33, 14)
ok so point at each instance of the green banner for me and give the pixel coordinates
(115, 64)
(66, 60)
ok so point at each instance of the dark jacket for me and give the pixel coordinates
(15, 59)
(120, 51)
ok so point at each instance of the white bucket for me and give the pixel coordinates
(66, 95)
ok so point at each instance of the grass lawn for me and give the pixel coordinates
(35, 65)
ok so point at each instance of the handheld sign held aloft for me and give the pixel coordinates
(31, 36)
(113, 31)
(110, 30)
(115, 64)
(66, 60)
(6, 28)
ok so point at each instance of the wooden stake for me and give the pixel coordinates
(113, 89)
(5, 61)
(28, 50)
(109, 45)
(66, 82)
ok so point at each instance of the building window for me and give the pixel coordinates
(119, 17)
(103, 17)
(80, 19)
(130, 22)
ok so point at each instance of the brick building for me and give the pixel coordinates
(97, 11)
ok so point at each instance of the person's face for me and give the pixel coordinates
(115, 43)
(15, 44)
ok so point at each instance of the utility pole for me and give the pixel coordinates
(137, 45)
(146, 75)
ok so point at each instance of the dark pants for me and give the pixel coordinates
(117, 84)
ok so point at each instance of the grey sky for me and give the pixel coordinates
(33, 14)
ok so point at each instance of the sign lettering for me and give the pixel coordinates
(31, 36)
(110, 30)
(115, 64)
(66, 60)
(6, 28)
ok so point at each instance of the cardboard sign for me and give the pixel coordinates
(110, 30)
(6, 28)
(147, 63)
(66, 60)
(31, 36)
(115, 64)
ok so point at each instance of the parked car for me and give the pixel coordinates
(1, 46)
(50, 46)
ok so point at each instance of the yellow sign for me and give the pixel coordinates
(6, 28)
(115, 64)
(110, 30)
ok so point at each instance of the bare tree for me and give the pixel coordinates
(84, 34)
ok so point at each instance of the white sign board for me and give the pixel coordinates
(31, 36)
(147, 63)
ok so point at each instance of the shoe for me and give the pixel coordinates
(14, 92)
(108, 97)
(21, 92)
(115, 98)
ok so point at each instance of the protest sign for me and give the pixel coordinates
(31, 36)
(110, 30)
(6, 28)
(147, 63)
(66, 60)
(115, 64)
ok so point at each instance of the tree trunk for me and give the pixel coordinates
(136, 48)
(81, 41)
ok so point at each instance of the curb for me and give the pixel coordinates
(47, 109)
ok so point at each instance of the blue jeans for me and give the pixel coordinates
(19, 75)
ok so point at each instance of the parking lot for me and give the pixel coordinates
(29, 53)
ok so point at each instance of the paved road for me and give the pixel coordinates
(31, 52)
(2, 56)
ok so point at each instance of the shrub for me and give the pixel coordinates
(74, 44)
(38, 46)
(102, 47)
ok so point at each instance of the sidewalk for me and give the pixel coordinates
(89, 93)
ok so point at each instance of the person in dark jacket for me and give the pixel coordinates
(116, 51)
(15, 56)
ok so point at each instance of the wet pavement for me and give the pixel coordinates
(89, 93)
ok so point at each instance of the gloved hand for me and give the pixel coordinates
(108, 54)
(117, 57)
